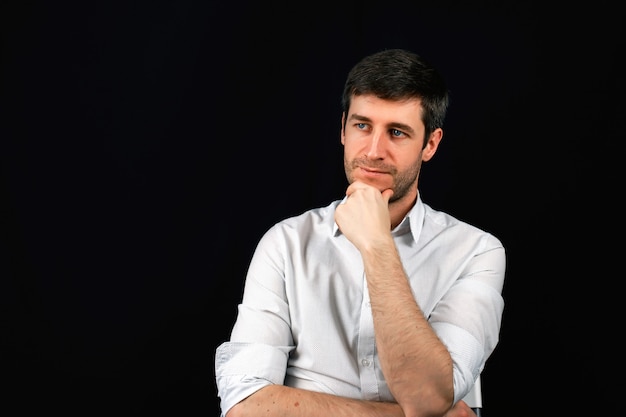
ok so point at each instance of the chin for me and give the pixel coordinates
(376, 184)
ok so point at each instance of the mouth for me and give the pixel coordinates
(372, 173)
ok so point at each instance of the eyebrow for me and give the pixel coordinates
(392, 125)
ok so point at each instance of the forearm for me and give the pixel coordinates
(416, 364)
(282, 401)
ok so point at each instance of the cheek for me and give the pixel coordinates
(350, 149)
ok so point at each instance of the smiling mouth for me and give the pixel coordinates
(370, 171)
(370, 175)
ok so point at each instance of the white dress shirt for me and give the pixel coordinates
(305, 319)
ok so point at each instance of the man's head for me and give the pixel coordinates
(394, 105)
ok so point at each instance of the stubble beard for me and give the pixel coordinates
(403, 182)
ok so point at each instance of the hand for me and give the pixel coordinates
(364, 217)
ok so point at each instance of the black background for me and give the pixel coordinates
(146, 146)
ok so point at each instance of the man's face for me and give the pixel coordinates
(383, 143)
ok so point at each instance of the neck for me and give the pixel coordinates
(399, 208)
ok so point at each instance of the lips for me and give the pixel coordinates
(373, 171)
(366, 165)
(365, 173)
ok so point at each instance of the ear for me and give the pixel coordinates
(343, 128)
(433, 143)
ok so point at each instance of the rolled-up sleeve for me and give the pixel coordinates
(239, 373)
(258, 351)
(468, 318)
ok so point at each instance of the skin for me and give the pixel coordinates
(383, 152)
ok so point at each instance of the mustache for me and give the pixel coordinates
(374, 165)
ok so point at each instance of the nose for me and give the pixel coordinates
(375, 149)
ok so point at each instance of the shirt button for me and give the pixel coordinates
(365, 362)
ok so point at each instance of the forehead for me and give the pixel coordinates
(378, 110)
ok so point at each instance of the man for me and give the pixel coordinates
(377, 304)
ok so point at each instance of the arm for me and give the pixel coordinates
(411, 354)
(282, 401)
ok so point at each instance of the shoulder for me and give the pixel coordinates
(318, 220)
(437, 221)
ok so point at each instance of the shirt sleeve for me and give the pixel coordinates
(258, 350)
(240, 373)
(468, 318)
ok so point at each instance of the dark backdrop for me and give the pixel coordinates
(147, 145)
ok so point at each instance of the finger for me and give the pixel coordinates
(387, 194)
(354, 187)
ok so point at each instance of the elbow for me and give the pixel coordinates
(432, 404)
(235, 411)
(431, 410)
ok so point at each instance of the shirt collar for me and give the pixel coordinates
(412, 222)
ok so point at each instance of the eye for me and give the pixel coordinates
(397, 133)
(361, 126)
